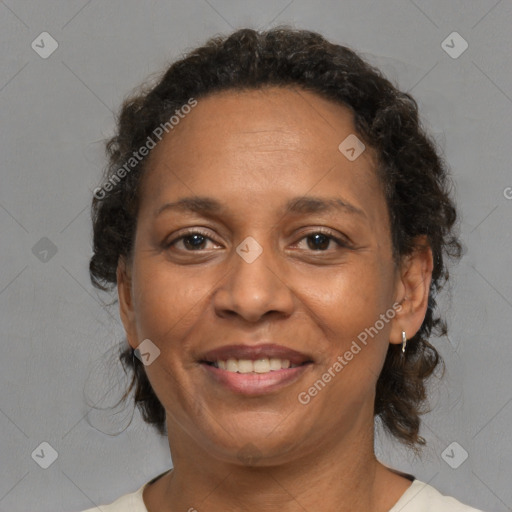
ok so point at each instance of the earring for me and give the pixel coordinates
(404, 342)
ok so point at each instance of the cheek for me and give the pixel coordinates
(348, 308)
(164, 299)
(349, 298)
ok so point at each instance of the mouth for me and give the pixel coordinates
(263, 365)
(255, 370)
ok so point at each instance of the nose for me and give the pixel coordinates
(252, 289)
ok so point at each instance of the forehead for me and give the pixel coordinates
(268, 118)
(251, 143)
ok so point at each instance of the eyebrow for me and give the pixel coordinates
(306, 204)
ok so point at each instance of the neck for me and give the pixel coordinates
(341, 476)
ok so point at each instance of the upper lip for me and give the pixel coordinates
(254, 352)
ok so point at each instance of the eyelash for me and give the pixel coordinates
(340, 242)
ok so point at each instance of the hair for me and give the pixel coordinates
(414, 177)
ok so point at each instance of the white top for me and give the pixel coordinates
(419, 497)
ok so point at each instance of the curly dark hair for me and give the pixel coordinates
(414, 177)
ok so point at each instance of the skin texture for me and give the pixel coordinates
(253, 151)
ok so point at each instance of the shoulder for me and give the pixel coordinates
(132, 502)
(422, 497)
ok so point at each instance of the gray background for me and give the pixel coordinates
(59, 345)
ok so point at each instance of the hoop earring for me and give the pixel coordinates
(404, 342)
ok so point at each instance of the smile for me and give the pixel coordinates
(263, 365)
(246, 377)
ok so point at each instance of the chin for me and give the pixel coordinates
(257, 450)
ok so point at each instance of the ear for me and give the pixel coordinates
(124, 293)
(412, 291)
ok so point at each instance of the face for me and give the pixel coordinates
(288, 257)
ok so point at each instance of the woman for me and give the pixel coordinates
(277, 224)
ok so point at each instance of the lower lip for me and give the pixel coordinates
(254, 384)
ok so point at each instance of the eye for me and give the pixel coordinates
(191, 241)
(319, 241)
(196, 240)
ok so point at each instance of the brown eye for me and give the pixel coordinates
(320, 241)
(194, 242)
(191, 241)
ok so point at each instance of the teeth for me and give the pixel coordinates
(275, 364)
(232, 365)
(245, 366)
(263, 365)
